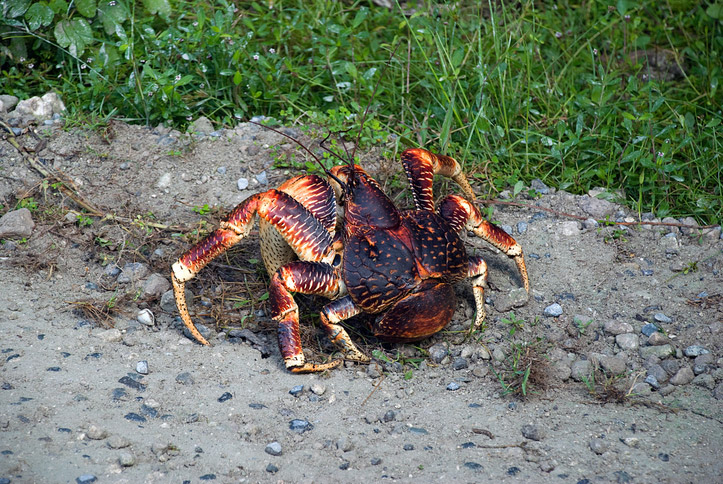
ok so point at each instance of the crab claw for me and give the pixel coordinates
(179, 290)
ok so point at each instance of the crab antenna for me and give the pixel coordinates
(366, 111)
(316, 158)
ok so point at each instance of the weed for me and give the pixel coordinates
(30, 203)
(204, 210)
(581, 325)
(84, 220)
(515, 324)
(610, 388)
(522, 369)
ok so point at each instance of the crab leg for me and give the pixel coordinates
(304, 233)
(477, 272)
(421, 166)
(307, 278)
(463, 214)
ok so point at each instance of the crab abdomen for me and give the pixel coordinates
(419, 315)
(438, 250)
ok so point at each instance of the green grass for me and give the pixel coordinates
(518, 91)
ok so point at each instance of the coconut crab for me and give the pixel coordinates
(342, 238)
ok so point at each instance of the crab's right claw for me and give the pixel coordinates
(179, 276)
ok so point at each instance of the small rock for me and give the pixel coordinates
(408, 447)
(146, 317)
(142, 367)
(96, 433)
(521, 227)
(580, 370)
(453, 386)
(274, 448)
(184, 378)
(657, 372)
(695, 350)
(242, 183)
(539, 186)
(649, 329)
(661, 352)
(437, 352)
(553, 310)
(375, 461)
(296, 390)
(389, 416)
(614, 365)
(652, 381)
(272, 469)
(705, 381)
(156, 285)
(683, 376)
(133, 271)
(317, 389)
(633, 442)
(112, 335)
(7, 102)
(569, 228)
(718, 392)
(617, 327)
(225, 397)
(498, 354)
(599, 446)
(627, 341)
(596, 207)
(202, 328)
(126, 459)
(201, 125)
(40, 108)
(658, 339)
(16, 224)
(662, 318)
(460, 363)
(86, 479)
(300, 426)
(532, 432)
(117, 442)
(262, 178)
(344, 444)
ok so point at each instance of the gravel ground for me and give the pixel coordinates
(134, 400)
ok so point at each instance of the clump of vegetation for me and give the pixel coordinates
(621, 97)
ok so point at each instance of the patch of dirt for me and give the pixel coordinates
(73, 403)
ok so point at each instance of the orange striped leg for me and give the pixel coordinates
(477, 272)
(308, 238)
(307, 278)
(463, 214)
(421, 166)
(335, 312)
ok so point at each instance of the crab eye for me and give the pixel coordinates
(336, 261)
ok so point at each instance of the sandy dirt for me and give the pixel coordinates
(74, 406)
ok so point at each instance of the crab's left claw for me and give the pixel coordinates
(179, 290)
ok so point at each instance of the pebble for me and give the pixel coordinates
(156, 285)
(617, 327)
(705, 381)
(296, 390)
(202, 328)
(539, 186)
(317, 389)
(614, 365)
(532, 432)
(649, 329)
(262, 178)
(596, 207)
(133, 271)
(221, 170)
(16, 224)
(134, 417)
(627, 341)
(553, 310)
(498, 354)
(658, 339)
(580, 369)
(86, 479)
(657, 372)
(184, 378)
(661, 352)
(300, 425)
(599, 446)
(225, 396)
(146, 317)
(460, 363)
(473, 466)
(569, 228)
(126, 459)
(112, 335)
(633, 442)
(652, 381)
(521, 227)
(453, 386)
(662, 318)
(274, 448)
(96, 433)
(142, 367)
(375, 461)
(117, 442)
(272, 469)
(242, 183)
(408, 447)
(437, 352)
(389, 416)
(695, 350)
(683, 376)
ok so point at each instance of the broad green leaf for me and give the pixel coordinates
(15, 8)
(715, 10)
(75, 35)
(361, 15)
(162, 7)
(113, 16)
(86, 7)
(237, 78)
(518, 188)
(713, 123)
(58, 6)
(351, 69)
(39, 14)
